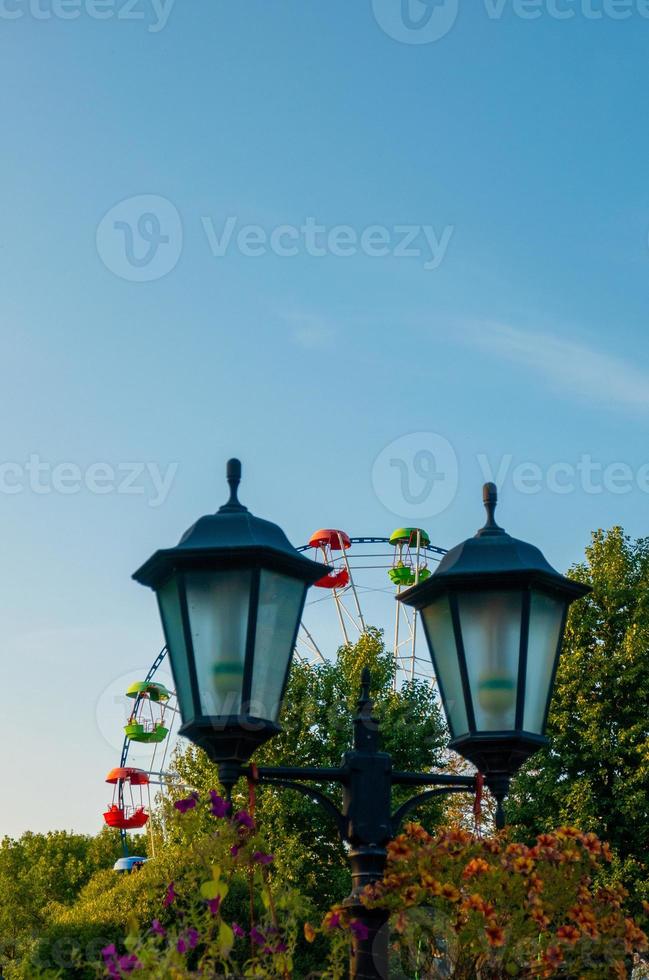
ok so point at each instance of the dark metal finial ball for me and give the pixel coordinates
(490, 494)
(233, 470)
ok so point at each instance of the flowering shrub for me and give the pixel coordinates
(196, 933)
(462, 907)
(467, 907)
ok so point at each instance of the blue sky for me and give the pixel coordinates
(517, 146)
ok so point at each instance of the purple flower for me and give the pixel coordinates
(281, 947)
(262, 858)
(109, 953)
(244, 818)
(257, 937)
(220, 807)
(157, 928)
(170, 897)
(238, 931)
(184, 805)
(359, 929)
(214, 904)
(129, 963)
(188, 941)
(234, 850)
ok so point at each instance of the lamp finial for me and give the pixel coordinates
(490, 501)
(233, 475)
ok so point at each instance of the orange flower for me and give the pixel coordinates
(568, 832)
(546, 840)
(592, 844)
(634, 937)
(553, 957)
(524, 865)
(582, 915)
(416, 832)
(476, 903)
(569, 934)
(583, 893)
(590, 930)
(392, 882)
(495, 935)
(459, 836)
(410, 895)
(431, 884)
(536, 882)
(399, 849)
(450, 892)
(373, 892)
(309, 932)
(334, 919)
(540, 917)
(477, 866)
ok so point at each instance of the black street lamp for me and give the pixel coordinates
(231, 596)
(494, 615)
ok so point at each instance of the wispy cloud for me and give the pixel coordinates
(574, 368)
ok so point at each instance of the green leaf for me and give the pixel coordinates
(214, 889)
(226, 938)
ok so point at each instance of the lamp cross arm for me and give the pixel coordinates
(466, 783)
(304, 774)
(287, 777)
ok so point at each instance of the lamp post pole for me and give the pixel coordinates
(366, 822)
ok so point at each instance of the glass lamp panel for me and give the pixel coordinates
(546, 616)
(278, 613)
(218, 605)
(491, 633)
(170, 613)
(441, 639)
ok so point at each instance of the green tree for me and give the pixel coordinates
(317, 729)
(595, 773)
(39, 869)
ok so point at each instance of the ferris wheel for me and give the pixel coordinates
(150, 732)
(367, 573)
